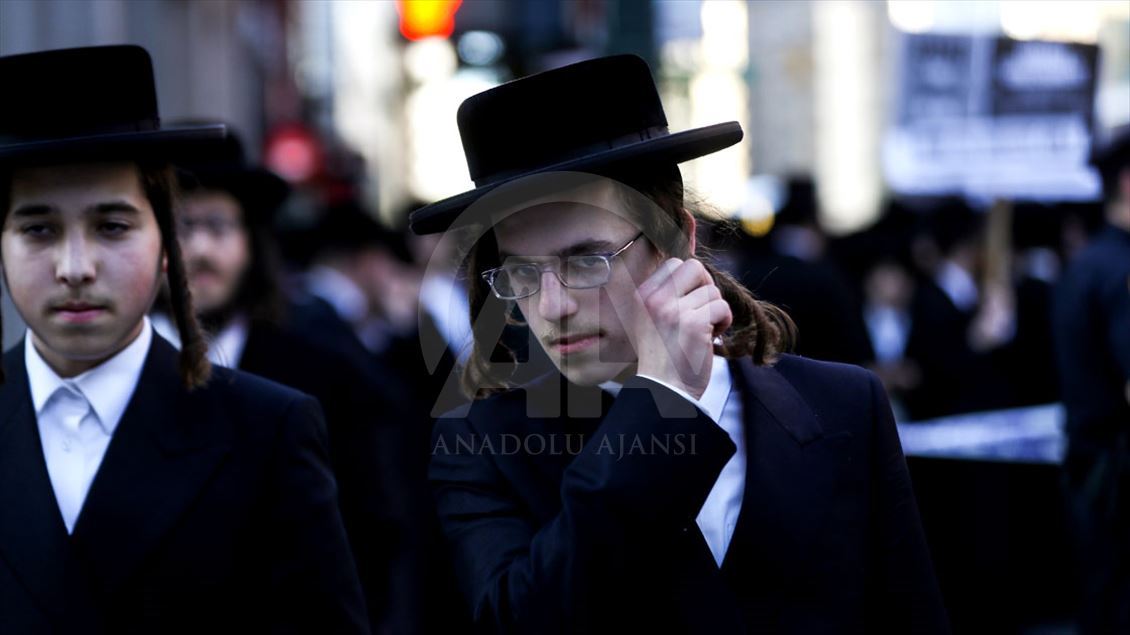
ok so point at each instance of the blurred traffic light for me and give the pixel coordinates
(427, 18)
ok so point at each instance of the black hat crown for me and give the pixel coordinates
(558, 115)
(592, 116)
(99, 101)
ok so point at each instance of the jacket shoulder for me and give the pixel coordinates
(843, 396)
(795, 367)
(248, 391)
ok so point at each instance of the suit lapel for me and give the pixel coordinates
(539, 432)
(792, 470)
(163, 451)
(33, 538)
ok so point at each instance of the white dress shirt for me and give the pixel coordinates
(77, 416)
(719, 514)
(342, 293)
(224, 348)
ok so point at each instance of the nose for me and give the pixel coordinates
(193, 240)
(555, 301)
(76, 263)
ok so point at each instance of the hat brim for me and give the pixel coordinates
(671, 149)
(165, 144)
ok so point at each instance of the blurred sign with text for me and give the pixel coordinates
(992, 117)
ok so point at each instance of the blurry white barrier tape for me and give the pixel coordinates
(1024, 435)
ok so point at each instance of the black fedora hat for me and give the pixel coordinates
(593, 116)
(224, 166)
(88, 103)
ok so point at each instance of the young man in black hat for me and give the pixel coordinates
(682, 472)
(1092, 332)
(143, 491)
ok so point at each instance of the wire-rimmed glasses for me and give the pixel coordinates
(514, 281)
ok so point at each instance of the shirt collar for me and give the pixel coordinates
(108, 386)
(713, 400)
(226, 348)
(342, 293)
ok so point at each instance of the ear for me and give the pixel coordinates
(690, 228)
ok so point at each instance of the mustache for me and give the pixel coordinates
(71, 302)
(201, 265)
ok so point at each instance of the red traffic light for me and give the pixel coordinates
(427, 18)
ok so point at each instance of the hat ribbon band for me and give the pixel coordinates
(582, 151)
(143, 125)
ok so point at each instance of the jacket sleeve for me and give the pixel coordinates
(312, 573)
(908, 599)
(524, 578)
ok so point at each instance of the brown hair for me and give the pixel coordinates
(159, 186)
(759, 330)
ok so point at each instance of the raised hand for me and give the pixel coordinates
(682, 312)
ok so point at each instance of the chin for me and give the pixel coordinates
(84, 342)
(591, 373)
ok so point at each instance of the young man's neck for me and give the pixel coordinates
(68, 367)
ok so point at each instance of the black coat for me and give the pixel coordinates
(594, 540)
(383, 497)
(1092, 328)
(213, 511)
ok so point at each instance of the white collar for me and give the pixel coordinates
(108, 386)
(717, 391)
(342, 293)
(226, 347)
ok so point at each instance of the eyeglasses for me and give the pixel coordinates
(216, 227)
(523, 279)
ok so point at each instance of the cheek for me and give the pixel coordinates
(27, 273)
(134, 271)
(234, 255)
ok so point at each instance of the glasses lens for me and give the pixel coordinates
(581, 272)
(516, 281)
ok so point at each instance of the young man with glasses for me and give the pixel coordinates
(681, 473)
(143, 490)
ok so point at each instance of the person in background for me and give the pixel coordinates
(1092, 337)
(570, 505)
(144, 491)
(225, 220)
(789, 267)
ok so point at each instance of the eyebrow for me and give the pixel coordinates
(113, 207)
(590, 246)
(109, 207)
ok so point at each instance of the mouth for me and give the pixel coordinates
(203, 274)
(78, 312)
(575, 343)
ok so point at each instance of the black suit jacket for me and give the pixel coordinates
(1092, 329)
(384, 502)
(213, 511)
(603, 539)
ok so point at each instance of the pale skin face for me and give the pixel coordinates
(82, 258)
(216, 247)
(579, 328)
(655, 316)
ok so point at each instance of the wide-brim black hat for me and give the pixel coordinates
(224, 166)
(594, 116)
(91, 103)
